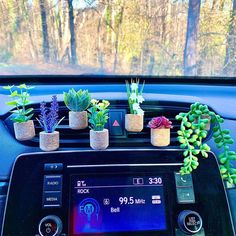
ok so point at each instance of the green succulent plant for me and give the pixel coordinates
(20, 99)
(192, 134)
(98, 114)
(77, 101)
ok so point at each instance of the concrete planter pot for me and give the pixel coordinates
(49, 141)
(99, 140)
(78, 120)
(24, 131)
(160, 137)
(133, 123)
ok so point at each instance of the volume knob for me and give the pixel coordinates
(50, 226)
(190, 222)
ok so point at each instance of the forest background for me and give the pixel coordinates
(141, 37)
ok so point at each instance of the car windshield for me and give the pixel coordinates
(118, 37)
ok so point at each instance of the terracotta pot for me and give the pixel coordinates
(78, 120)
(99, 140)
(133, 123)
(24, 131)
(49, 141)
(160, 137)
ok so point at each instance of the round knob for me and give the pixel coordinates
(190, 222)
(50, 226)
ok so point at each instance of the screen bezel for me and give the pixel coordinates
(125, 233)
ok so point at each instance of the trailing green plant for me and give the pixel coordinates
(192, 134)
(20, 99)
(98, 114)
(77, 101)
(135, 97)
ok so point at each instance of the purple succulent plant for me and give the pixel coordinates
(48, 117)
(160, 122)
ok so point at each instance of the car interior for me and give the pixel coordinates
(96, 139)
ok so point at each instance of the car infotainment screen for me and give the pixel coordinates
(105, 204)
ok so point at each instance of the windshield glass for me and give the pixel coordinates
(122, 37)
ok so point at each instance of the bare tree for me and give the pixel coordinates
(46, 53)
(229, 63)
(190, 51)
(72, 33)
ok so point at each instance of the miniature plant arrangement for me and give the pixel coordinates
(77, 102)
(49, 120)
(134, 120)
(98, 117)
(192, 134)
(160, 131)
(23, 125)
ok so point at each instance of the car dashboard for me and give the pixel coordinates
(25, 170)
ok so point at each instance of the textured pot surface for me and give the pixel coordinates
(24, 131)
(133, 123)
(78, 120)
(99, 140)
(49, 141)
(160, 137)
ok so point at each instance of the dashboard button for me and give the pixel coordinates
(190, 222)
(50, 226)
(183, 180)
(185, 195)
(53, 166)
(116, 122)
(52, 183)
(52, 199)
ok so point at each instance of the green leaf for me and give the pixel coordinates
(28, 111)
(22, 86)
(223, 160)
(14, 94)
(12, 103)
(8, 87)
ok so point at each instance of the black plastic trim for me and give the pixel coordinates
(114, 79)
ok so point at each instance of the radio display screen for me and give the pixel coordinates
(104, 204)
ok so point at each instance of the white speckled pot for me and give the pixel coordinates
(24, 131)
(133, 123)
(160, 137)
(99, 140)
(49, 141)
(78, 120)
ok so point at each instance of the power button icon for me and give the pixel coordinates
(50, 226)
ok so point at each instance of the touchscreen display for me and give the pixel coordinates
(117, 204)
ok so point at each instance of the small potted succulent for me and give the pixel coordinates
(160, 131)
(134, 120)
(77, 102)
(23, 125)
(49, 120)
(98, 117)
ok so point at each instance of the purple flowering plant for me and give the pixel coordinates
(160, 122)
(49, 118)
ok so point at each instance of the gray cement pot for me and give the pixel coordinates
(160, 137)
(24, 131)
(99, 140)
(78, 120)
(133, 123)
(49, 141)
